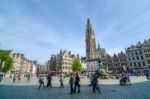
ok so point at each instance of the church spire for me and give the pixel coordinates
(98, 46)
(88, 21)
(90, 41)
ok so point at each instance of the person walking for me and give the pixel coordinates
(91, 79)
(14, 78)
(128, 77)
(95, 84)
(71, 82)
(49, 80)
(19, 78)
(41, 81)
(77, 84)
(147, 74)
(61, 81)
(1, 78)
(28, 78)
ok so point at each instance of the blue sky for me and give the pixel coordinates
(39, 28)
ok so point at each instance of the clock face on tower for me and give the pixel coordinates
(92, 36)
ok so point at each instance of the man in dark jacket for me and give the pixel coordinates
(77, 84)
(41, 81)
(49, 80)
(71, 82)
(95, 84)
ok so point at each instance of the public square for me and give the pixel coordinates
(74, 48)
(110, 89)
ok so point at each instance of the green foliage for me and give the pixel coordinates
(76, 65)
(8, 61)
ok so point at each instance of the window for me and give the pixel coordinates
(139, 63)
(143, 63)
(148, 61)
(130, 64)
(136, 53)
(129, 59)
(137, 58)
(140, 53)
(133, 58)
(135, 64)
(142, 57)
(132, 53)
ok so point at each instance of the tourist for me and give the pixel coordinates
(41, 81)
(123, 79)
(1, 78)
(128, 78)
(61, 81)
(14, 78)
(49, 80)
(95, 84)
(71, 82)
(91, 80)
(77, 84)
(19, 77)
(28, 77)
(147, 74)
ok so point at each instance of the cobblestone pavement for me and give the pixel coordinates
(138, 90)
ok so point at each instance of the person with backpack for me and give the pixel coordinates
(49, 80)
(41, 81)
(95, 84)
(77, 84)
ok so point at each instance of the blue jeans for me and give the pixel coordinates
(95, 86)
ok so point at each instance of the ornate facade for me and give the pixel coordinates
(62, 62)
(93, 54)
(117, 61)
(22, 65)
(139, 55)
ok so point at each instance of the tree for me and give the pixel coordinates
(76, 65)
(6, 62)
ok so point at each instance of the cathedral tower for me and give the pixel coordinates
(90, 42)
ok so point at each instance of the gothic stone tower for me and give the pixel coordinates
(90, 42)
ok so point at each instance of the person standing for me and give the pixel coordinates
(128, 78)
(41, 81)
(91, 79)
(71, 82)
(28, 78)
(61, 81)
(147, 74)
(1, 78)
(49, 80)
(77, 84)
(95, 84)
(19, 78)
(14, 78)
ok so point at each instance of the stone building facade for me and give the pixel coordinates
(146, 51)
(61, 62)
(139, 55)
(22, 65)
(117, 62)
